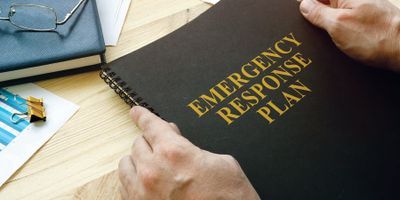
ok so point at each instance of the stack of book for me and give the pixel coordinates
(30, 55)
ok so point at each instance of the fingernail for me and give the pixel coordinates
(306, 6)
(133, 110)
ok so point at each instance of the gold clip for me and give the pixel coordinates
(36, 111)
(35, 100)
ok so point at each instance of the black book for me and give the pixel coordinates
(252, 78)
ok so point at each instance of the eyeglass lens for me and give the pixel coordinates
(33, 17)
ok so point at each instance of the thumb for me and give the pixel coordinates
(319, 14)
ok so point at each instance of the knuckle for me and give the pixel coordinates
(341, 17)
(173, 152)
(316, 16)
(145, 120)
(174, 127)
(149, 177)
(231, 160)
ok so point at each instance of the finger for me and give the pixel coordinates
(319, 14)
(154, 128)
(141, 151)
(127, 173)
(124, 193)
(175, 128)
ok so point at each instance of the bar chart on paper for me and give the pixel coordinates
(21, 135)
(11, 126)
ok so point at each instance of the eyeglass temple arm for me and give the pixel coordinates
(68, 16)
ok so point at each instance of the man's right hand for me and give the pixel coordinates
(165, 165)
(366, 30)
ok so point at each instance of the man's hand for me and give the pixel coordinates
(366, 30)
(165, 165)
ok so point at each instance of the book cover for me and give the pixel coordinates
(252, 78)
(79, 38)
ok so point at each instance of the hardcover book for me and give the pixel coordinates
(252, 78)
(77, 43)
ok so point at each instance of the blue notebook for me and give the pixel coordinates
(77, 43)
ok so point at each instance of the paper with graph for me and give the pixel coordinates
(20, 139)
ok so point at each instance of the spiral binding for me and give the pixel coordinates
(125, 92)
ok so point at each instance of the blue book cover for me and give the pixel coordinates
(77, 43)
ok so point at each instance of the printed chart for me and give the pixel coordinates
(11, 126)
(20, 139)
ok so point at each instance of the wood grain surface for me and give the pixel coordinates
(79, 162)
(103, 188)
(101, 132)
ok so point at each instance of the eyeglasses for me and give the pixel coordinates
(34, 17)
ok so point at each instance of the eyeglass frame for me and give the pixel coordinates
(62, 22)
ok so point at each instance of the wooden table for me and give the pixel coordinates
(92, 142)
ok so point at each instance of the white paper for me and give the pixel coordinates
(58, 112)
(211, 1)
(112, 17)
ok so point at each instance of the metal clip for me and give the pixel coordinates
(19, 119)
(35, 112)
(3, 97)
(16, 100)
